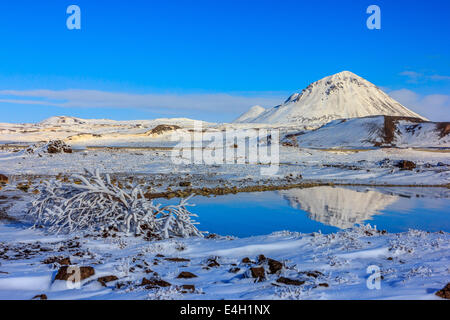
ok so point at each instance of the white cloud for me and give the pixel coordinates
(435, 107)
(416, 77)
(74, 98)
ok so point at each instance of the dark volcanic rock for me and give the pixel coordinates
(40, 297)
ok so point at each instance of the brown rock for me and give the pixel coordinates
(152, 283)
(291, 282)
(186, 275)
(58, 146)
(177, 259)
(406, 165)
(445, 292)
(212, 262)
(247, 260)
(313, 274)
(261, 258)
(234, 270)
(60, 260)
(258, 273)
(274, 266)
(185, 184)
(325, 285)
(188, 288)
(40, 297)
(3, 178)
(84, 272)
(104, 280)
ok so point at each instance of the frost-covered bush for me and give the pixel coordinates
(93, 202)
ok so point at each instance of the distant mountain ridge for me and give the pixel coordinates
(341, 96)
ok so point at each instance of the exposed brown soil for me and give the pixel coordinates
(443, 128)
(390, 126)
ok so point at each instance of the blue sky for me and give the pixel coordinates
(212, 60)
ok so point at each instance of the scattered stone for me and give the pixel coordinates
(186, 275)
(212, 236)
(104, 280)
(84, 273)
(262, 258)
(445, 292)
(325, 285)
(160, 255)
(291, 282)
(40, 297)
(258, 273)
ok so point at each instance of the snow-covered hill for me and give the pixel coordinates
(254, 112)
(103, 132)
(377, 131)
(340, 96)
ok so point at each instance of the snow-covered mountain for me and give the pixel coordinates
(341, 96)
(338, 207)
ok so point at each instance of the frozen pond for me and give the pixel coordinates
(327, 209)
